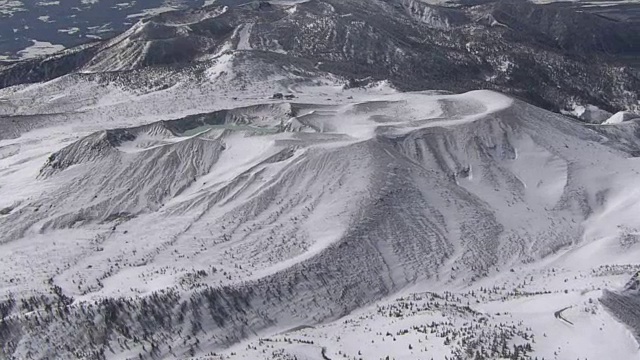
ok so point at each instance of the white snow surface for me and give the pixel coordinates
(457, 211)
(38, 49)
(621, 116)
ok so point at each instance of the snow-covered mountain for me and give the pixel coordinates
(558, 59)
(34, 28)
(213, 184)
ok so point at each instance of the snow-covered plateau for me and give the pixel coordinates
(250, 206)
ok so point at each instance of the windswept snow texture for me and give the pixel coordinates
(241, 220)
(207, 185)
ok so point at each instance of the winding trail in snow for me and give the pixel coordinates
(558, 315)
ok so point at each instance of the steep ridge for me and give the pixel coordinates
(257, 228)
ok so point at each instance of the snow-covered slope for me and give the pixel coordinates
(242, 216)
(257, 199)
(620, 117)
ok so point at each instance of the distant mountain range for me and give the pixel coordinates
(550, 56)
(31, 28)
